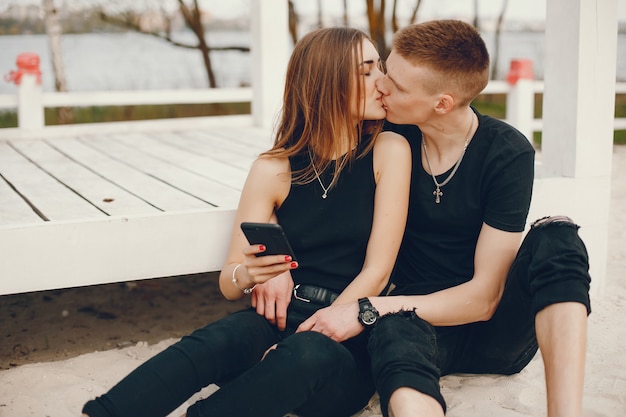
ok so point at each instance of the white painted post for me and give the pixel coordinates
(270, 54)
(30, 113)
(578, 113)
(520, 101)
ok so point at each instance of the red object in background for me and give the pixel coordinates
(521, 69)
(27, 63)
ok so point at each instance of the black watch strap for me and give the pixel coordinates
(368, 315)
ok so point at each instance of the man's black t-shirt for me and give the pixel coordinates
(493, 184)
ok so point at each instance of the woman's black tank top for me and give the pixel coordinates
(329, 236)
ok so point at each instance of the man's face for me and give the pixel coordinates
(404, 95)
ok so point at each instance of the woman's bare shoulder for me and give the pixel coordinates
(271, 164)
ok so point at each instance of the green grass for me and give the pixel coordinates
(121, 113)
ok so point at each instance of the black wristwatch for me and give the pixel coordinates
(368, 315)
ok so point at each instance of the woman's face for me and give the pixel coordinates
(369, 106)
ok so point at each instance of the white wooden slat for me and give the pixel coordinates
(203, 188)
(53, 199)
(253, 136)
(218, 171)
(13, 208)
(244, 143)
(150, 189)
(126, 126)
(214, 147)
(108, 197)
(81, 252)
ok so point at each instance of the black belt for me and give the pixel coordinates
(311, 293)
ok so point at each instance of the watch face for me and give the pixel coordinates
(368, 317)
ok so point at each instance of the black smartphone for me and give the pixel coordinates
(269, 234)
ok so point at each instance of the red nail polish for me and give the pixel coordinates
(294, 264)
(262, 248)
(287, 258)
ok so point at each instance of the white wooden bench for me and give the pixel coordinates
(99, 204)
(90, 241)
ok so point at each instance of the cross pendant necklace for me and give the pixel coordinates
(438, 193)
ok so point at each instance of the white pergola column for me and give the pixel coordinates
(574, 174)
(270, 49)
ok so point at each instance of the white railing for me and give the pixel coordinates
(502, 87)
(30, 101)
(133, 98)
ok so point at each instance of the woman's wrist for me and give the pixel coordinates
(244, 289)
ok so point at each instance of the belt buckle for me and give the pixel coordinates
(297, 297)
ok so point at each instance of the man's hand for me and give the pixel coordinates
(339, 322)
(272, 298)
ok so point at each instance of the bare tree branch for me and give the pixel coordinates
(131, 25)
(192, 16)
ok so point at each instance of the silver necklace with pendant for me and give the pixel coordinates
(438, 193)
(317, 175)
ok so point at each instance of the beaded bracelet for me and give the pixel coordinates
(244, 290)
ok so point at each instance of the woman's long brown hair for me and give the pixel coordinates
(322, 76)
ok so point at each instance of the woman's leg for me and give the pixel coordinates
(307, 373)
(219, 351)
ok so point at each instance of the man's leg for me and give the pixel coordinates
(403, 350)
(545, 303)
(407, 402)
(562, 333)
(559, 275)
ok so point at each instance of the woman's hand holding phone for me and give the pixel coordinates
(269, 253)
(261, 269)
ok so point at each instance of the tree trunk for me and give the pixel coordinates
(394, 18)
(415, 10)
(293, 23)
(496, 50)
(320, 22)
(476, 15)
(53, 28)
(376, 19)
(193, 19)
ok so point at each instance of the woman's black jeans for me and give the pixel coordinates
(551, 267)
(307, 373)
